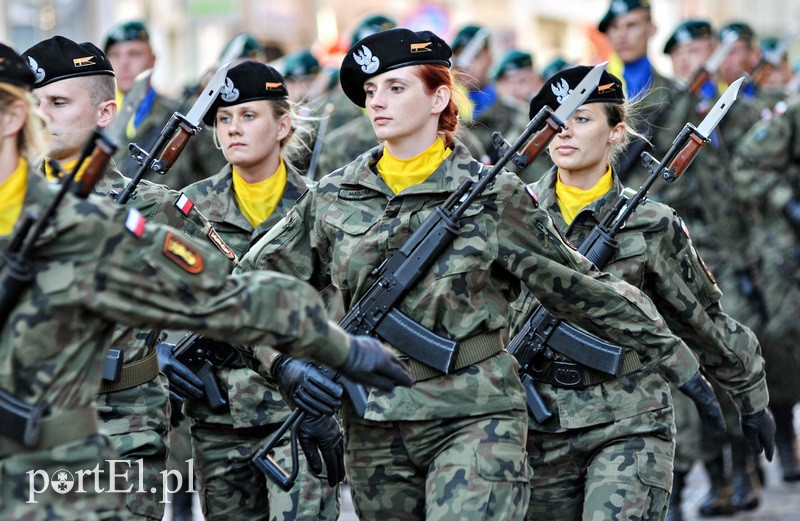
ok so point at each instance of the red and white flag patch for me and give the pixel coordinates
(184, 204)
(135, 222)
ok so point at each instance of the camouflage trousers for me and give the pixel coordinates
(137, 421)
(231, 487)
(55, 472)
(620, 470)
(459, 468)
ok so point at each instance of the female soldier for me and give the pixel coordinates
(256, 128)
(95, 265)
(453, 445)
(608, 452)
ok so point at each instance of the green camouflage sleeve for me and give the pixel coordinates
(688, 297)
(158, 277)
(568, 285)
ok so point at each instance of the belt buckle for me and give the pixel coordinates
(567, 374)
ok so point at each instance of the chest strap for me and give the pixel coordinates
(133, 374)
(471, 351)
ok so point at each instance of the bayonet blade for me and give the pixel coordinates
(774, 56)
(579, 94)
(207, 97)
(721, 107)
(724, 49)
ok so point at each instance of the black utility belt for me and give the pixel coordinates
(571, 375)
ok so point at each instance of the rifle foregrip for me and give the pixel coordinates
(540, 141)
(98, 162)
(684, 157)
(699, 80)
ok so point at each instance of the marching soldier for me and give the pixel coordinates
(435, 450)
(97, 264)
(255, 126)
(588, 461)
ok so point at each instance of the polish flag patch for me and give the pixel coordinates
(135, 222)
(184, 204)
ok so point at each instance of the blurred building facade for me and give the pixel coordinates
(188, 35)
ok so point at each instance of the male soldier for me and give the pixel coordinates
(472, 60)
(97, 264)
(765, 168)
(773, 80)
(516, 78)
(143, 112)
(554, 67)
(705, 201)
(76, 100)
(300, 69)
(742, 59)
(629, 27)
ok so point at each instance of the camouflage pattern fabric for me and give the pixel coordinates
(232, 488)
(618, 470)
(766, 174)
(505, 239)
(458, 468)
(92, 272)
(225, 441)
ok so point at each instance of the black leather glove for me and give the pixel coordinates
(369, 363)
(308, 388)
(323, 435)
(182, 381)
(759, 431)
(701, 393)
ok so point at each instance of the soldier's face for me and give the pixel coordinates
(250, 134)
(521, 84)
(742, 58)
(688, 57)
(629, 34)
(73, 116)
(400, 107)
(582, 147)
(129, 59)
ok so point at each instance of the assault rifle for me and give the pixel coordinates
(201, 355)
(543, 335)
(376, 313)
(173, 139)
(18, 420)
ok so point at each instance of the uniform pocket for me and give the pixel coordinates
(655, 470)
(507, 463)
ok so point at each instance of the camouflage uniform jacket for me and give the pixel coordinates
(91, 272)
(501, 117)
(253, 399)
(349, 222)
(657, 256)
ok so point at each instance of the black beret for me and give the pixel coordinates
(13, 68)
(387, 51)
(370, 25)
(618, 8)
(740, 29)
(60, 58)
(513, 61)
(126, 32)
(553, 92)
(249, 81)
(688, 31)
(299, 64)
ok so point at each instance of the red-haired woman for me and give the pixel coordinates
(452, 446)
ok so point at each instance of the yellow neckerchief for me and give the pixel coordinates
(617, 67)
(399, 174)
(68, 166)
(572, 200)
(258, 200)
(12, 197)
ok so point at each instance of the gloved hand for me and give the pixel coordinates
(701, 393)
(759, 431)
(182, 381)
(323, 435)
(308, 388)
(369, 363)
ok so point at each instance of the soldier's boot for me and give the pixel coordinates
(181, 502)
(786, 443)
(718, 500)
(674, 513)
(746, 487)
